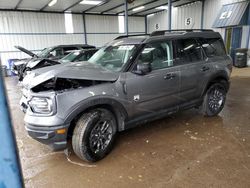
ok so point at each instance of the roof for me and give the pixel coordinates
(129, 40)
(113, 7)
(231, 14)
(165, 34)
(73, 45)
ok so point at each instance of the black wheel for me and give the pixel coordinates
(214, 100)
(94, 135)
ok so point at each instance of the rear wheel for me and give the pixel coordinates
(214, 100)
(94, 135)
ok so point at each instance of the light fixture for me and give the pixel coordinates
(90, 2)
(138, 8)
(52, 3)
(150, 15)
(162, 8)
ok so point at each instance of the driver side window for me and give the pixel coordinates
(158, 54)
(57, 52)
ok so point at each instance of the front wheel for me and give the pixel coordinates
(94, 135)
(214, 100)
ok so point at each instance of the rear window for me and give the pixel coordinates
(213, 47)
(187, 51)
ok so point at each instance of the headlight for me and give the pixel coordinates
(41, 105)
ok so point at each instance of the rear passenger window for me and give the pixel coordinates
(187, 51)
(213, 47)
(159, 54)
(68, 50)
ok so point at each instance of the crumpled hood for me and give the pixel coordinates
(78, 70)
(26, 51)
(35, 61)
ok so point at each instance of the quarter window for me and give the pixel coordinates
(213, 47)
(187, 51)
(158, 54)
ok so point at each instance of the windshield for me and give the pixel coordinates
(70, 57)
(113, 57)
(44, 52)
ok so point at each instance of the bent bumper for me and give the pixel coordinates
(49, 135)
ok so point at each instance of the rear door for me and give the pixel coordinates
(158, 89)
(189, 57)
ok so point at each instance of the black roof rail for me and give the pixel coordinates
(126, 36)
(162, 32)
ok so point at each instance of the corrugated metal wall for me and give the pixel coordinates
(97, 26)
(159, 19)
(36, 31)
(181, 14)
(102, 29)
(194, 10)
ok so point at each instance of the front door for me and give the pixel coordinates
(157, 90)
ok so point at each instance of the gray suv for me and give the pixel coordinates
(132, 80)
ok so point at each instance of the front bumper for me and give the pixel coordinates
(44, 128)
(49, 135)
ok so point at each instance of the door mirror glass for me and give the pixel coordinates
(143, 68)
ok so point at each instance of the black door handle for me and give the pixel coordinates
(169, 76)
(204, 68)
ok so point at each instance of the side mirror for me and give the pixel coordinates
(143, 68)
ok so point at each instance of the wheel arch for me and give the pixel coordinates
(221, 77)
(111, 104)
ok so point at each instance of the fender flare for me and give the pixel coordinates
(118, 109)
(219, 75)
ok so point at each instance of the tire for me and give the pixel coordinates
(94, 135)
(214, 100)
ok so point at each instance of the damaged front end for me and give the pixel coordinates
(35, 64)
(40, 99)
(63, 84)
(46, 85)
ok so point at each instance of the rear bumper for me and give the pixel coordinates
(49, 135)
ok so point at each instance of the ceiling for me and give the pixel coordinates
(104, 7)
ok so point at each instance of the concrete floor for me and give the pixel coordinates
(183, 150)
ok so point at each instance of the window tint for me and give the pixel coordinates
(213, 47)
(85, 56)
(68, 50)
(57, 52)
(187, 51)
(158, 54)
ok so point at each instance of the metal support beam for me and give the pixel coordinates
(113, 8)
(151, 8)
(190, 2)
(57, 12)
(84, 29)
(17, 5)
(169, 14)
(148, 3)
(91, 8)
(126, 16)
(146, 25)
(45, 6)
(71, 6)
(202, 14)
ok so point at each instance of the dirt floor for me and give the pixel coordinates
(183, 150)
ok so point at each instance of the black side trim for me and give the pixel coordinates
(119, 109)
